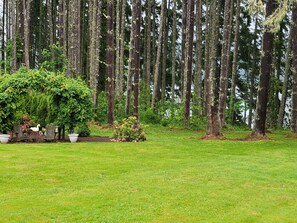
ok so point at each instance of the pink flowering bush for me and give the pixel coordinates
(129, 131)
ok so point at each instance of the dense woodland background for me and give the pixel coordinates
(174, 62)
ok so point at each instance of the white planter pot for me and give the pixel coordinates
(73, 137)
(4, 138)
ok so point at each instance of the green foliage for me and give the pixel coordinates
(170, 113)
(129, 130)
(83, 130)
(7, 62)
(54, 59)
(145, 96)
(237, 108)
(149, 116)
(120, 108)
(66, 101)
(101, 110)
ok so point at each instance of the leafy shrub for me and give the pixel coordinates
(129, 131)
(102, 107)
(83, 130)
(54, 59)
(101, 110)
(68, 99)
(149, 116)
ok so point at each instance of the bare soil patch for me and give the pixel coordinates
(291, 136)
(256, 137)
(213, 137)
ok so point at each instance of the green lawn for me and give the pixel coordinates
(172, 177)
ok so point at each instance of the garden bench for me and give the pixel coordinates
(20, 136)
(50, 134)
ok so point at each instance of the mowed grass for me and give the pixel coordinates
(172, 177)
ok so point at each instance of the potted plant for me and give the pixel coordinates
(73, 137)
(4, 137)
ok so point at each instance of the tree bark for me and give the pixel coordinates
(207, 59)
(253, 74)
(65, 26)
(94, 56)
(122, 46)
(118, 92)
(266, 63)
(225, 58)
(148, 45)
(235, 64)
(158, 57)
(3, 36)
(198, 68)
(164, 54)
(294, 69)
(61, 22)
(274, 90)
(14, 32)
(26, 8)
(288, 65)
(184, 25)
(50, 22)
(74, 39)
(129, 76)
(213, 122)
(174, 32)
(136, 54)
(110, 59)
(188, 60)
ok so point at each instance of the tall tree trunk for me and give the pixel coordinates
(154, 44)
(198, 67)
(110, 59)
(288, 65)
(266, 63)
(84, 39)
(74, 39)
(174, 33)
(8, 19)
(273, 100)
(27, 8)
(129, 75)
(225, 58)
(164, 55)
(207, 58)
(122, 46)
(136, 54)
(148, 44)
(65, 26)
(40, 32)
(3, 35)
(213, 123)
(14, 34)
(235, 64)
(188, 60)
(118, 92)
(95, 30)
(184, 25)
(294, 70)
(253, 74)
(158, 57)
(50, 22)
(61, 22)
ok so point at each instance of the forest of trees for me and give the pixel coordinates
(220, 62)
